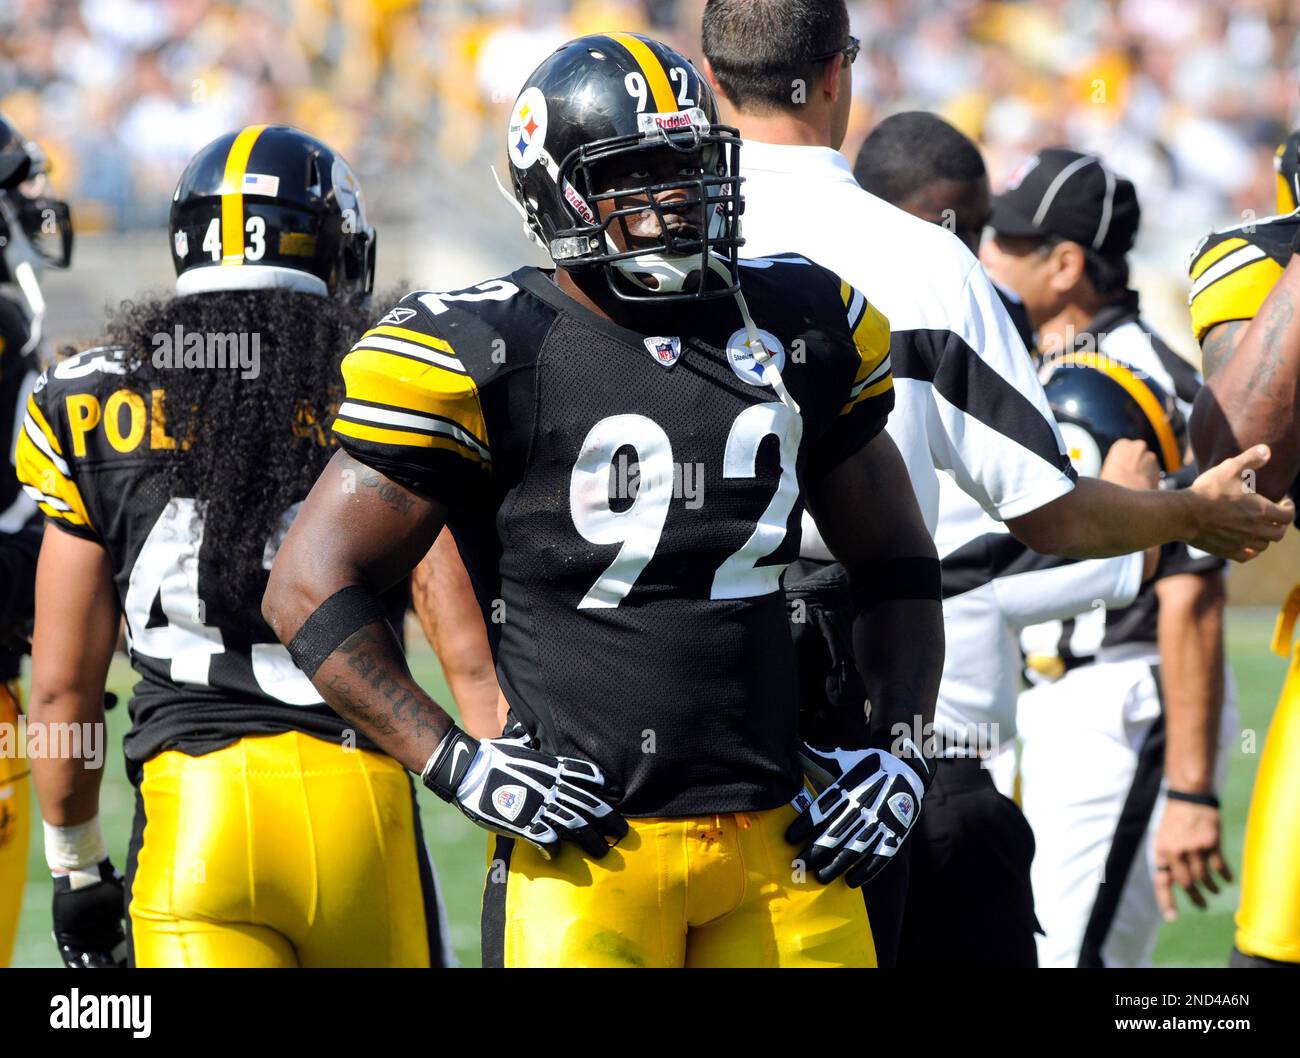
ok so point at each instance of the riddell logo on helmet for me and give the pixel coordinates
(673, 121)
(578, 203)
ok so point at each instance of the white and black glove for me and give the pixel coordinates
(508, 786)
(869, 801)
(89, 917)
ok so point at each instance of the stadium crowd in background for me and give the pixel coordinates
(1187, 98)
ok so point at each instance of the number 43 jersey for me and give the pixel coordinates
(211, 671)
(626, 502)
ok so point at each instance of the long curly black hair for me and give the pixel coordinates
(257, 443)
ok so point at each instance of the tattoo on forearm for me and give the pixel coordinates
(1218, 345)
(368, 656)
(342, 695)
(1271, 355)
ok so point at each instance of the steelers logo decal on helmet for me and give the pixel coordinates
(741, 357)
(526, 135)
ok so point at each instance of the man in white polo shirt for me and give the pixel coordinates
(967, 399)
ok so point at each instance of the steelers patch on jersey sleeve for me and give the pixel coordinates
(526, 133)
(741, 357)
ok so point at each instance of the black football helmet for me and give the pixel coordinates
(1287, 164)
(1097, 401)
(35, 226)
(270, 206)
(605, 97)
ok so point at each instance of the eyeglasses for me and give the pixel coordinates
(850, 52)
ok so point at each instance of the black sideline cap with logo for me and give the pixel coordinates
(1070, 195)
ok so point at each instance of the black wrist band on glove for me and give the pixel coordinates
(1205, 799)
(331, 624)
(899, 578)
(449, 763)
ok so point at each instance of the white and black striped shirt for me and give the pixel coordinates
(967, 400)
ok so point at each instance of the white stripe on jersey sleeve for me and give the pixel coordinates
(420, 352)
(1237, 259)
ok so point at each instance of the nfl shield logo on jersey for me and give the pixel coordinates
(509, 801)
(666, 351)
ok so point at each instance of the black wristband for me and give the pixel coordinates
(449, 763)
(331, 624)
(1208, 800)
(899, 578)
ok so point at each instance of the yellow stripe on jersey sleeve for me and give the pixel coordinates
(45, 474)
(1214, 254)
(394, 399)
(871, 340)
(1238, 295)
(405, 333)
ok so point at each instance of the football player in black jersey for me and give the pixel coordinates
(1245, 305)
(622, 449)
(169, 465)
(35, 233)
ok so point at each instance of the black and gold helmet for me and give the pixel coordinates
(270, 206)
(1097, 401)
(605, 97)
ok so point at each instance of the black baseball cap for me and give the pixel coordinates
(1070, 195)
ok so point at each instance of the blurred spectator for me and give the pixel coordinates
(1186, 97)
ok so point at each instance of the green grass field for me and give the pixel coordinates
(1197, 939)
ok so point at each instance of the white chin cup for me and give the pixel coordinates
(671, 272)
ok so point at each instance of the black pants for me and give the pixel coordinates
(968, 896)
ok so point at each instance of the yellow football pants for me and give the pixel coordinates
(700, 891)
(284, 850)
(15, 826)
(1268, 919)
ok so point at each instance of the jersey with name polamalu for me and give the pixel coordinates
(211, 670)
(625, 503)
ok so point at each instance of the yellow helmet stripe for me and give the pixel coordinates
(655, 76)
(1146, 400)
(232, 196)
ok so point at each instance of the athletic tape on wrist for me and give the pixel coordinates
(897, 579)
(333, 622)
(75, 847)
